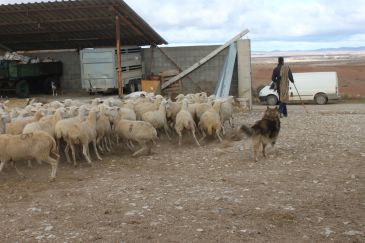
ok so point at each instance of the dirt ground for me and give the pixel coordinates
(310, 188)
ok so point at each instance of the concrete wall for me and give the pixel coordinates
(71, 78)
(244, 71)
(202, 79)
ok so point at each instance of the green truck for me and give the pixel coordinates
(22, 78)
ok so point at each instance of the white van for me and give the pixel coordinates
(312, 86)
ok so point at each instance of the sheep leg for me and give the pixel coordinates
(67, 149)
(196, 141)
(54, 165)
(231, 122)
(2, 164)
(29, 164)
(100, 145)
(110, 142)
(204, 136)
(72, 146)
(18, 171)
(166, 128)
(129, 146)
(223, 130)
(217, 132)
(180, 137)
(96, 150)
(85, 153)
(143, 145)
(105, 140)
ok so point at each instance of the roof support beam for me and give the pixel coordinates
(65, 20)
(119, 64)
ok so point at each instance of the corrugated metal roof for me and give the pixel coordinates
(72, 24)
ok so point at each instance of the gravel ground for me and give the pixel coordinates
(310, 188)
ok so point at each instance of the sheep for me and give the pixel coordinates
(172, 109)
(226, 112)
(16, 127)
(200, 97)
(179, 98)
(103, 131)
(38, 146)
(137, 131)
(210, 121)
(62, 127)
(46, 124)
(158, 118)
(96, 102)
(143, 107)
(201, 108)
(56, 104)
(184, 120)
(84, 133)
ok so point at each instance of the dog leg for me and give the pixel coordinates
(263, 150)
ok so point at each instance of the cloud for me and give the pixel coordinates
(273, 24)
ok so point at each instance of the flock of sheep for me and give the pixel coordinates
(39, 131)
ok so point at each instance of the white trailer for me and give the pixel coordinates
(312, 86)
(99, 69)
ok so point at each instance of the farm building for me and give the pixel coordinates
(62, 30)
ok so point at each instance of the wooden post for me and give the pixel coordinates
(119, 65)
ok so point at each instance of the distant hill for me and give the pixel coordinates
(360, 48)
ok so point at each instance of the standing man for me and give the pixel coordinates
(281, 76)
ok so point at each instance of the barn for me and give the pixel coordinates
(63, 29)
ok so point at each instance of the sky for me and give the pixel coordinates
(273, 24)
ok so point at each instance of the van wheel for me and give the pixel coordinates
(321, 99)
(271, 100)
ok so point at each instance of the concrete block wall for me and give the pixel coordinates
(71, 78)
(202, 79)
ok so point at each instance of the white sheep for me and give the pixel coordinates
(184, 120)
(84, 133)
(38, 146)
(172, 109)
(46, 124)
(226, 111)
(137, 131)
(103, 130)
(16, 127)
(210, 121)
(143, 107)
(158, 118)
(62, 127)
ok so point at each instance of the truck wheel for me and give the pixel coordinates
(271, 100)
(22, 89)
(321, 99)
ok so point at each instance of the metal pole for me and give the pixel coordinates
(119, 65)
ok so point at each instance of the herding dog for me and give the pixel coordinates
(264, 131)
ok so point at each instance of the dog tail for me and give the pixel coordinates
(247, 130)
